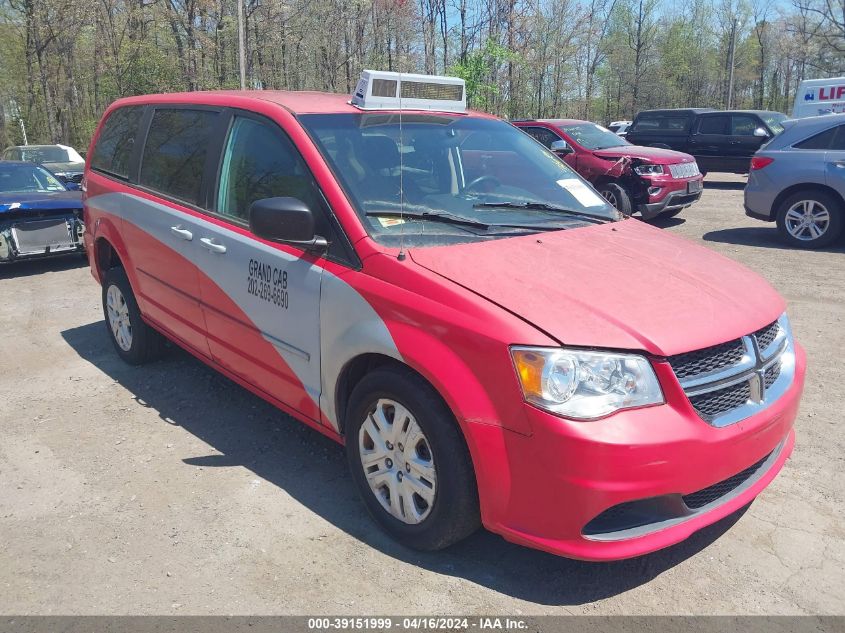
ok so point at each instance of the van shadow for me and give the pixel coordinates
(312, 469)
(30, 267)
(762, 236)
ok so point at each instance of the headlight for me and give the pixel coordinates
(648, 170)
(585, 385)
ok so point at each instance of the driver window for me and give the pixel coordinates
(260, 162)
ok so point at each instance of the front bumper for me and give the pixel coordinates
(672, 200)
(542, 491)
(35, 237)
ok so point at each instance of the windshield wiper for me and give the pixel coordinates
(450, 218)
(542, 206)
(429, 215)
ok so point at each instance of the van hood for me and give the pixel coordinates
(622, 285)
(40, 201)
(654, 155)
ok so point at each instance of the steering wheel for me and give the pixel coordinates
(482, 179)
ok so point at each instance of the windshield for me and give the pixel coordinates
(22, 178)
(593, 136)
(773, 120)
(45, 155)
(488, 177)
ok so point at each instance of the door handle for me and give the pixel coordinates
(178, 231)
(209, 244)
(839, 163)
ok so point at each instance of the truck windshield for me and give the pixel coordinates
(593, 136)
(773, 120)
(45, 154)
(417, 177)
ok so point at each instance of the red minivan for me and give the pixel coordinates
(493, 343)
(647, 180)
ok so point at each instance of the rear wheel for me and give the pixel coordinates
(135, 341)
(409, 460)
(616, 195)
(810, 219)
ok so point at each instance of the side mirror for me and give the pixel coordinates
(285, 220)
(72, 186)
(761, 133)
(561, 147)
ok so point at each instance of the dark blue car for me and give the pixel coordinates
(39, 214)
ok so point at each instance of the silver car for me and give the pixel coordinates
(798, 181)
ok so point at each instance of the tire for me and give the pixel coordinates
(825, 211)
(617, 196)
(442, 471)
(136, 343)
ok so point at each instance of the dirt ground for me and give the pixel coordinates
(167, 489)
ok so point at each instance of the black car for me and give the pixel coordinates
(720, 140)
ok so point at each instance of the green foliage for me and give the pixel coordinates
(476, 71)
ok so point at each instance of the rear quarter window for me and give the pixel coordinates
(175, 150)
(822, 140)
(116, 142)
(661, 124)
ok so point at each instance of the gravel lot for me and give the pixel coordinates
(169, 490)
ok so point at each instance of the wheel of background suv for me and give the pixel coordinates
(409, 460)
(135, 341)
(617, 196)
(810, 219)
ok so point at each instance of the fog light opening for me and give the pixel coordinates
(653, 191)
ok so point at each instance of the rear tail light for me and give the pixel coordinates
(758, 162)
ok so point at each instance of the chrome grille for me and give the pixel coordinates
(684, 170)
(771, 375)
(766, 335)
(713, 403)
(728, 382)
(707, 360)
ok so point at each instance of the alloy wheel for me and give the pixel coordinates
(807, 220)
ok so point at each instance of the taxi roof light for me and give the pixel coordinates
(383, 90)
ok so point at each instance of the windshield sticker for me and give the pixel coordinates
(582, 192)
(388, 222)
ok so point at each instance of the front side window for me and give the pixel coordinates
(593, 136)
(713, 125)
(440, 177)
(546, 137)
(260, 162)
(116, 141)
(175, 152)
(744, 125)
(22, 178)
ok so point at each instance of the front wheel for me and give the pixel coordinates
(617, 196)
(409, 460)
(810, 219)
